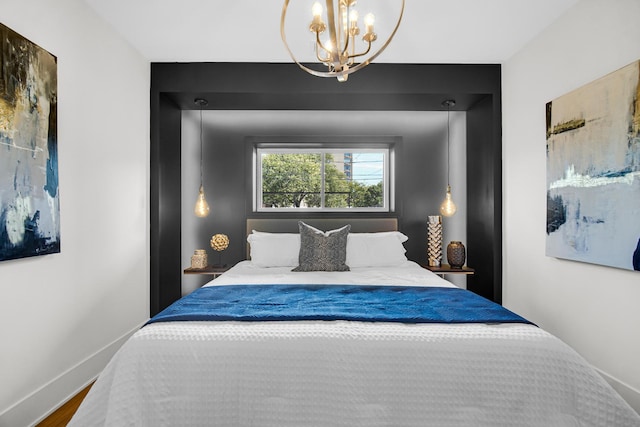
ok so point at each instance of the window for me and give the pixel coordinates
(329, 179)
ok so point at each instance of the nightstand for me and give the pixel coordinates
(211, 270)
(447, 269)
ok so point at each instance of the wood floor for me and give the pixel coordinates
(62, 416)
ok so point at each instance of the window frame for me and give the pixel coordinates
(387, 179)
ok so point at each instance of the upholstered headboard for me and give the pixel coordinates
(290, 225)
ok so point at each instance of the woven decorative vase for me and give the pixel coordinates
(199, 259)
(434, 240)
(456, 254)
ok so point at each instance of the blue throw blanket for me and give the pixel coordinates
(406, 304)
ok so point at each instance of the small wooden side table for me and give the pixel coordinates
(447, 269)
(212, 270)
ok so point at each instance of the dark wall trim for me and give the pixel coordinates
(484, 197)
(384, 87)
(165, 208)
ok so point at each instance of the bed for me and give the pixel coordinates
(342, 371)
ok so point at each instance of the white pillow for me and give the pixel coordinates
(376, 249)
(274, 249)
(363, 249)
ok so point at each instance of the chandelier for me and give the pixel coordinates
(338, 49)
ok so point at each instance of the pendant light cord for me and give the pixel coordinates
(448, 103)
(201, 102)
(448, 147)
(200, 147)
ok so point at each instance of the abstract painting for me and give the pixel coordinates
(29, 196)
(593, 172)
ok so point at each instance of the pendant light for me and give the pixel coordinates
(202, 207)
(448, 208)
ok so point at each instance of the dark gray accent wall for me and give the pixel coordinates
(383, 87)
(418, 142)
(484, 197)
(165, 208)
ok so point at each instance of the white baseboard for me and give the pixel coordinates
(44, 401)
(628, 393)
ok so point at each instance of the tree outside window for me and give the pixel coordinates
(326, 180)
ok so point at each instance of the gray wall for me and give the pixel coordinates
(420, 169)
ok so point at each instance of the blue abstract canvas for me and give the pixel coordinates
(593, 172)
(29, 196)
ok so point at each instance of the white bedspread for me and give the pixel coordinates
(407, 274)
(348, 373)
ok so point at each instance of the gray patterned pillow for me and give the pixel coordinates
(320, 251)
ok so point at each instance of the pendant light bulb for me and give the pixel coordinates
(202, 207)
(448, 208)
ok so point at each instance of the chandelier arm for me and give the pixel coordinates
(323, 60)
(345, 48)
(286, 45)
(334, 73)
(355, 55)
(319, 44)
(341, 38)
(353, 50)
(345, 45)
(334, 56)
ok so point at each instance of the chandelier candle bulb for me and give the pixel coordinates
(353, 29)
(353, 17)
(317, 25)
(316, 10)
(369, 20)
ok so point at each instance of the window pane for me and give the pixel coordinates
(291, 180)
(327, 179)
(354, 179)
(336, 181)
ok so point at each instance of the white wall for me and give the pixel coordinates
(594, 309)
(62, 315)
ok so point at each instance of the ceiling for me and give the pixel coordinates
(443, 31)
